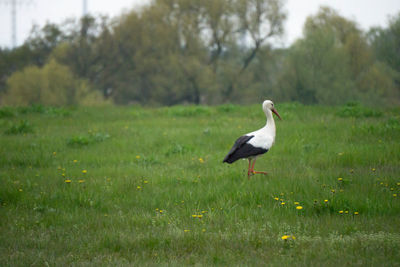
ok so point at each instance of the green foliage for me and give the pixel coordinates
(53, 85)
(6, 112)
(333, 64)
(356, 110)
(179, 52)
(84, 140)
(23, 127)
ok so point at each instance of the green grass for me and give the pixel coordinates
(150, 170)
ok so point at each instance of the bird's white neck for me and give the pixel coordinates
(270, 124)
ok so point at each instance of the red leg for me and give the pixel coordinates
(253, 171)
(249, 170)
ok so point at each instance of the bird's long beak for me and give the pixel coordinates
(276, 113)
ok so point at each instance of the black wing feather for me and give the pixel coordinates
(242, 149)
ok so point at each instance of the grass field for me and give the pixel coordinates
(138, 186)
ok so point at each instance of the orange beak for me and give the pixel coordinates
(276, 113)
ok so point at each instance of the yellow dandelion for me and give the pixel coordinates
(75, 161)
(356, 213)
(81, 181)
(138, 187)
(283, 203)
(20, 190)
(373, 169)
(145, 182)
(203, 230)
(194, 216)
(276, 198)
(285, 237)
(340, 179)
(340, 211)
(326, 201)
(63, 174)
(201, 160)
(299, 207)
(398, 184)
(54, 153)
(186, 230)
(137, 157)
(347, 212)
(203, 211)
(200, 216)
(84, 171)
(161, 211)
(296, 203)
(68, 181)
(394, 195)
(333, 190)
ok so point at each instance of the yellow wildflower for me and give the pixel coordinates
(84, 171)
(326, 201)
(340, 179)
(194, 216)
(340, 211)
(75, 161)
(201, 160)
(200, 216)
(138, 187)
(186, 230)
(394, 195)
(299, 207)
(137, 157)
(81, 181)
(67, 181)
(283, 203)
(296, 203)
(276, 198)
(356, 213)
(145, 182)
(285, 237)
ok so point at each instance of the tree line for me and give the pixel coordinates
(203, 52)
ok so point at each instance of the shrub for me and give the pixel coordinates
(21, 128)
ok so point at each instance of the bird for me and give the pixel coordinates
(254, 144)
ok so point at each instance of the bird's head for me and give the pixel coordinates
(269, 105)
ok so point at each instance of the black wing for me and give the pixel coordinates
(242, 149)
(240, 142)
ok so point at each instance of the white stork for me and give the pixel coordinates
(256, 143)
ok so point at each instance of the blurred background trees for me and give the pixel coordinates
(203, 52)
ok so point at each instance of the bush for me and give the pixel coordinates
(52, 85)
(353, 109)
(21, 128)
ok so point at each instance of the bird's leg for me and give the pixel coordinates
(253, 171)
(249, 170)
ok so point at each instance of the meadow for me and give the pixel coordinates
(146, 186)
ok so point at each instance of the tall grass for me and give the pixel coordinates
(149, 187)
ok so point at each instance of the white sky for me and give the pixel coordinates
(367, 13)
